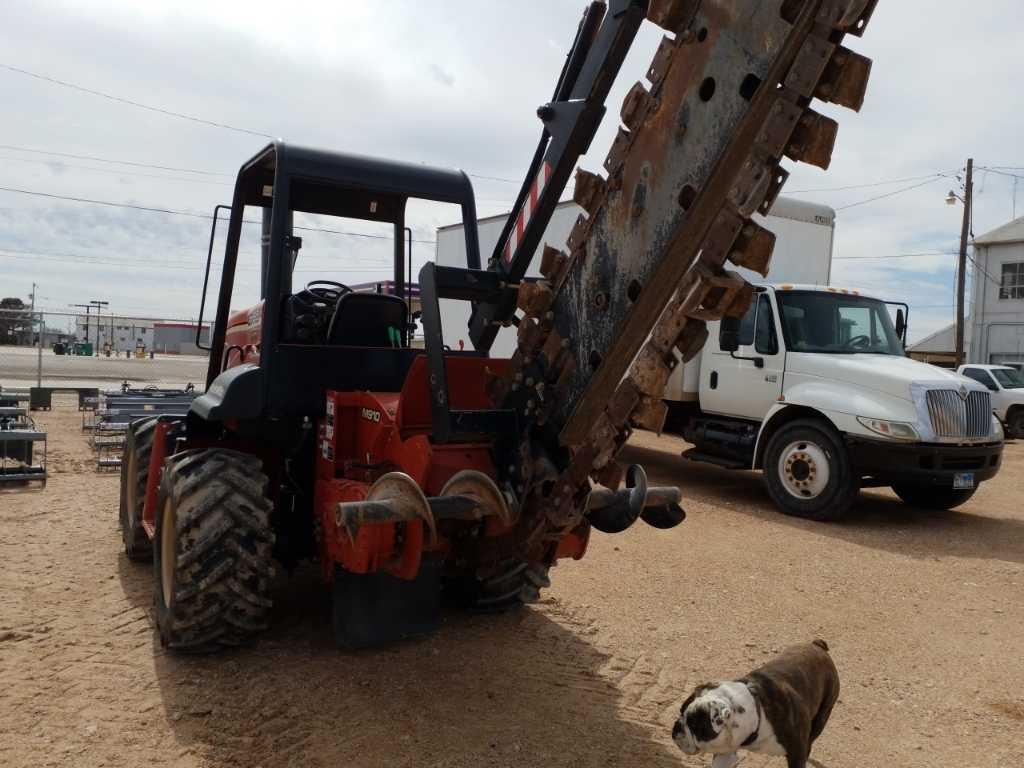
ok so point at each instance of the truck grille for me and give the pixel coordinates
(953, 416)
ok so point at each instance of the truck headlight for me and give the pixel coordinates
(894, 430)
(997, 429)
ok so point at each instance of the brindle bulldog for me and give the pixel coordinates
(778, 709)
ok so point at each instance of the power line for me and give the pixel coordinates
(104, 202)
(115, 171)
(171, 113)
(937, 174)
(89, 259)
(997, 283)
(111, 161)
(1001, 173)
(191, 214)
(931, 180)
(94, 158)
(133, 103)
(896, 256)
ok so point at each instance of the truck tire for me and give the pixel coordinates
(933, 497)
(212, 554)
(134, 476)
(1015, 424)
(808, 471)
(507, 586)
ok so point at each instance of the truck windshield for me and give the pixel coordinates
(1009, 378)
(836, 323)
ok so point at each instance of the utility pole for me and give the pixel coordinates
(961, 278)
(98, 305)
(88, 309)
(42, 327)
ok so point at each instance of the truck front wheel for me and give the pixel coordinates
(933, 497)
(808, 471)
(1015, 424)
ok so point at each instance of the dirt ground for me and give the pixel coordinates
(923, 613)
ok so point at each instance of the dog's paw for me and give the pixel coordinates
(727, 760)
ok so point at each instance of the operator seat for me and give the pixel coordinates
(368, 320)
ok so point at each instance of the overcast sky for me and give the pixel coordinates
(453, 84)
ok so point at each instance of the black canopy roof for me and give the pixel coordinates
(354, 186)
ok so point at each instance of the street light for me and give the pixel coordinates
(952, 197)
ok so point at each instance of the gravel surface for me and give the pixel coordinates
(923, 613)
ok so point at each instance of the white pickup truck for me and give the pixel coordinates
(813, 388)
(1006, 383)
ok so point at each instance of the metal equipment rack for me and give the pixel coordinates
(18, 457)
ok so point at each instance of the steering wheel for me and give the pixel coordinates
(859, 342)
(323, 292)
(326, 291)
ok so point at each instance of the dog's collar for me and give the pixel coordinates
(753, 736)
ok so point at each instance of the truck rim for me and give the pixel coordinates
(804, 469)
(167, 555)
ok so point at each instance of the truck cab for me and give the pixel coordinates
(814, 388)
(1006, 383)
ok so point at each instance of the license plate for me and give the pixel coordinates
(963, 480)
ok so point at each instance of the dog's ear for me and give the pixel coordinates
(687, 703)
(755, 691)
(696, 692)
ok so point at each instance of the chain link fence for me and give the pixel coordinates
(79, 350)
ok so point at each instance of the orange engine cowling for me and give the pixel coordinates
(242, 337)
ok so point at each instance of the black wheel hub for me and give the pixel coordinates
(801, 470)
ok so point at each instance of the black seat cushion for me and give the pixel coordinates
(368, 320)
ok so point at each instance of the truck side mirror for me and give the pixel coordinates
(729, 334)
(901, 325)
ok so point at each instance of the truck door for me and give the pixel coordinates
(736, 385)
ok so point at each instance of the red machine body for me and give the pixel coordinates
(365, 435)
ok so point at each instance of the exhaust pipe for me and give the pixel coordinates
(614, 511)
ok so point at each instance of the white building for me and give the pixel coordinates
(996, 326)
(122, 333)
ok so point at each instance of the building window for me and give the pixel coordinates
(1012, 285)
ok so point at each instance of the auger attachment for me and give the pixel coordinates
(614, 511)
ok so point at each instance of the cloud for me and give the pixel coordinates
(428, 83)
(441, 76)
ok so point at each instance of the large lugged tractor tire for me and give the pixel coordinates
(212, 554)
(508, 585)
(134, 475)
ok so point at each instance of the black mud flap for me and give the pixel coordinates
(376, 609)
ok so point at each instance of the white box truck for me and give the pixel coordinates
(803, 253)
(813, 387)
